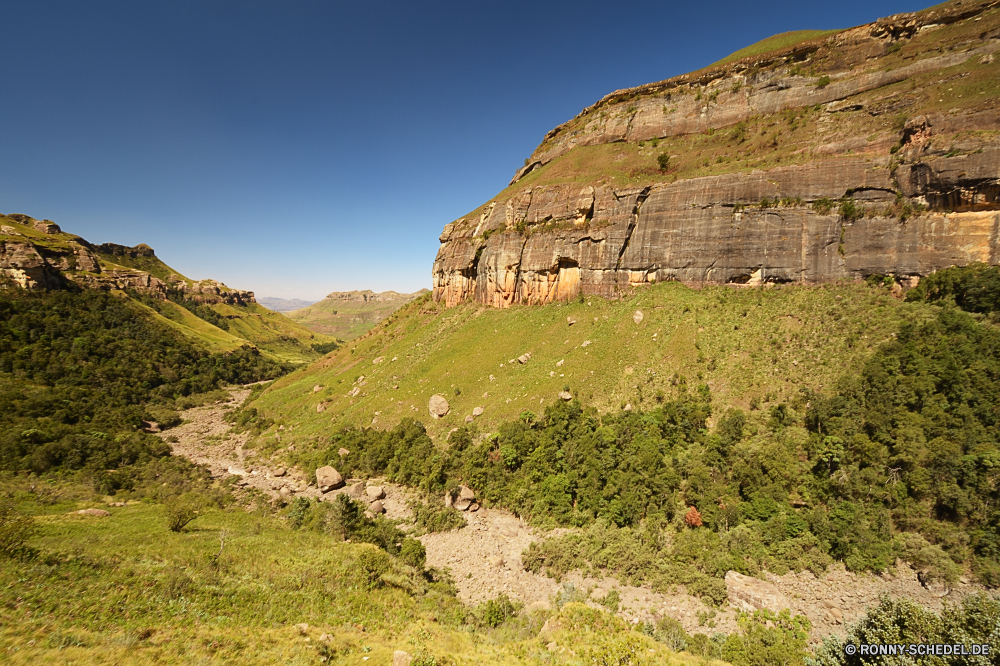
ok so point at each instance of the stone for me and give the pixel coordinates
(560, 362)
(280, 472)
(464, 492)
(356, 490)
(236, 470)
(496, 562)
(448, 500)
(628, 407)
(320, 408)
(469, 419)
(342, 452)
(93, 512)
(477, 411)
(570, 321)
(536, 606)
(302, 628)
(586, 343)
(317, 388)
(473, 507)
(750, 594)
(150, 426)
(327, 479)
(462, 504)
(565, 395)
(375, 492)
(376, 507)
(400, 658)
(378, 360)
(438, 406)
(285, 492)
(637, 317)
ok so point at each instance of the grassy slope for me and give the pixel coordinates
(746, 344)
(198, 330)
(346, 320)
(125, 590)
(774, 43)
(272, 332)
(151, 265)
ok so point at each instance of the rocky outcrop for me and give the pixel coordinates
(904, 204)
(369, 296)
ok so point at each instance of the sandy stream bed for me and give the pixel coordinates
(485, 556)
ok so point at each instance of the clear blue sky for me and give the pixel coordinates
(296, 148)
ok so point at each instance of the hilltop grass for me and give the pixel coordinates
(753, 347)
(124, 589)
(775, 43)
(343, 319)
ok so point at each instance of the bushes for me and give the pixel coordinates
(181, 511)
(434, 516)
(974, 288)
(494, 612)
(15, 530)
(896, 621)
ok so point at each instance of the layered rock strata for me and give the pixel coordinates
(904, 205)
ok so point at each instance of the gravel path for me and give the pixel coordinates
(485, 556)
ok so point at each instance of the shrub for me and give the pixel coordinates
(436, 517)
(663, 161)
(15, 529)
(612, 600)
(371, 564)
(692, 517)
(823, 82)
(181, 511)
(495, 612)
(413, 552)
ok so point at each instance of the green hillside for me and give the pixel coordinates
(351, 316)
(753, 347)
(775, 43)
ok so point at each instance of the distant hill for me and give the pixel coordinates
(349, 314)
(283, 304)
(39, 255)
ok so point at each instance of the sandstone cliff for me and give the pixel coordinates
(37, 254)
(872, 151)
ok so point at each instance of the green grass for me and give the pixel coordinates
(124, 589)
(750, 346)
(152, 265)
(775, 43)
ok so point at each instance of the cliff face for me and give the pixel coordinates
(37, 254)
(873, 151)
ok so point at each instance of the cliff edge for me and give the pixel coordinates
(875, 150)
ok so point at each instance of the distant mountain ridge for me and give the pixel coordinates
(283, 304)
(349, 314)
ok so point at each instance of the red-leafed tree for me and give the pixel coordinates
(692, 517)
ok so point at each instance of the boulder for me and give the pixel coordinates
(750, 594)
(376, 507)
(356, 490)
(438, 406)
(150, 426)
(317, 388)
(570, 321)
(473, 507)
(327, 478)
(469, 419)
(400, 658)
(303, 628)
(375, 492)
(342, 452)
(236, 470)
(320, 408)
(93, 512)
(496, 562)
(448, 499)
(466, 497)
(280, 472)
(477, 411)
(523, 358)
(565, 395)
(285, 492)
(637, 317)
(560, 362)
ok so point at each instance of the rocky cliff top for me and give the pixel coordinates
(37, 254)
(369, 296)
(875, 150)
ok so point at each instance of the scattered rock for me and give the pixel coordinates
(327, 478)
(438, 406)
(585, 343)
(752, 594)
(356, 490)
(236, 470)
(376, 507)
(552, 373)
(637, 317)
(477, 411)
(317, 388)
(469, 419)
(285, 492)
(354, 392)
(93, 512)
(524, 358)
(375, 492)
(560, 362)
(400, 658)
(378, 360)
(496, 562)
(342, 452)
(320, 408)
(280, 472)
(628, 407)
(565, 395)
(570, 321)
(552, 647)
(303, 628)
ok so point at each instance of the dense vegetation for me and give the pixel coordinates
(81, 369)
(974, 288)
(901, 460)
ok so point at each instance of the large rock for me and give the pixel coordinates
(750, 594)
(93, 512)
(375, 492)
(438, 406)
(466, 497)
(327, 479)
(400, 658)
